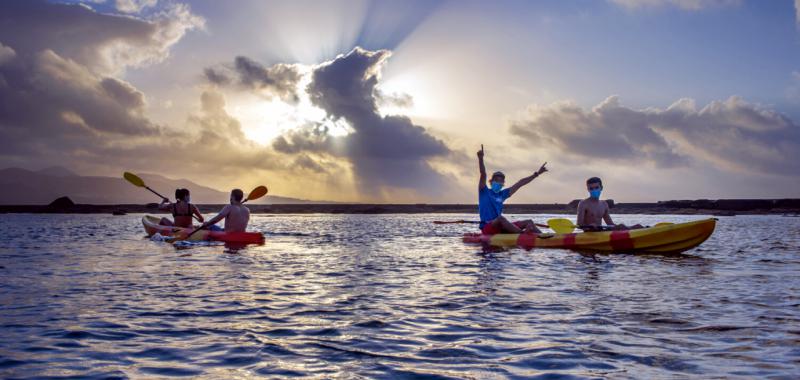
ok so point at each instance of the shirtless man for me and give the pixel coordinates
(235, 214)
(592, 211)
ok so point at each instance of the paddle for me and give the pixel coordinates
(258, 192)
(472, 222)
(561, 225)
(565, 226)
(138, 182)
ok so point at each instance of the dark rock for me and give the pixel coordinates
(119, 212)
(62, 203)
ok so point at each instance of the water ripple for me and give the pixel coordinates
(391, 296)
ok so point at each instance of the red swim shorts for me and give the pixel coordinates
(490, 229)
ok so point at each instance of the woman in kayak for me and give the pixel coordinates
(592, 211)
(182, 210)
(490, 202)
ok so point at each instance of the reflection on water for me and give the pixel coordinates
(391, 296)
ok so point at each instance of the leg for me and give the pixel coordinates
(528, 226)
(502, 224)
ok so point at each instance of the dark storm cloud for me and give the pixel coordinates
(312, 138)
(278, 80)
(730, 133)
(49, 103)
(305, 162)
(58, 94)
(385, 151)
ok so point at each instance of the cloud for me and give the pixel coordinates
(134, 6)
(797, 11)
(104, 44)
(730, 134)
(386, 152)
(793, 91)
(398, 100)
(279, 80)
(692, 5)
(63, 100)
(57, 104)
(6, 53)
(59, 96)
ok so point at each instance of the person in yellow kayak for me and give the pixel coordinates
(592, 211)
(490, 201)
(236, 214)
(182, 210)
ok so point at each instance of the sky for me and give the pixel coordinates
(389, 101)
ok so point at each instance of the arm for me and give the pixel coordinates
(482, 168)
(607, 215)
(165, 204)
(222, 214)
(196, 211)
(581, 214)
(526, 180)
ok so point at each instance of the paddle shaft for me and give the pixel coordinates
(473, 222)
(154, 192)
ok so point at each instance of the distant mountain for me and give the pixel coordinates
(26, 187)
(57, 171)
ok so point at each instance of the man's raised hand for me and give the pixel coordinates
(480, 152)
(542, 169)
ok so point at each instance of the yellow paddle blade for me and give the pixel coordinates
(561, 226)
(663, 224)
(258, 192)
(133, 179)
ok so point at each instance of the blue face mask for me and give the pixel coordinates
(496, 187)
(595, 193)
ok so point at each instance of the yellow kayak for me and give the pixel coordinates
(671, 238)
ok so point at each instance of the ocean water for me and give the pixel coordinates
(392, 296)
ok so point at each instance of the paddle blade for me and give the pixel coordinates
(663, 224)
(258, 192)
(561, 226)
(133, 179)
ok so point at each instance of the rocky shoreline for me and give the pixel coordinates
(722, 207)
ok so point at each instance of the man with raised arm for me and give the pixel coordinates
(491, 198)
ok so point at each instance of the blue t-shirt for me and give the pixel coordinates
(490, 204)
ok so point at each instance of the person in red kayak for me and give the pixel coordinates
(236, 215)
(592, 211)
(182, 210)
(490, 201)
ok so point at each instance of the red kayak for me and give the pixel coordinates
(152, 227)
